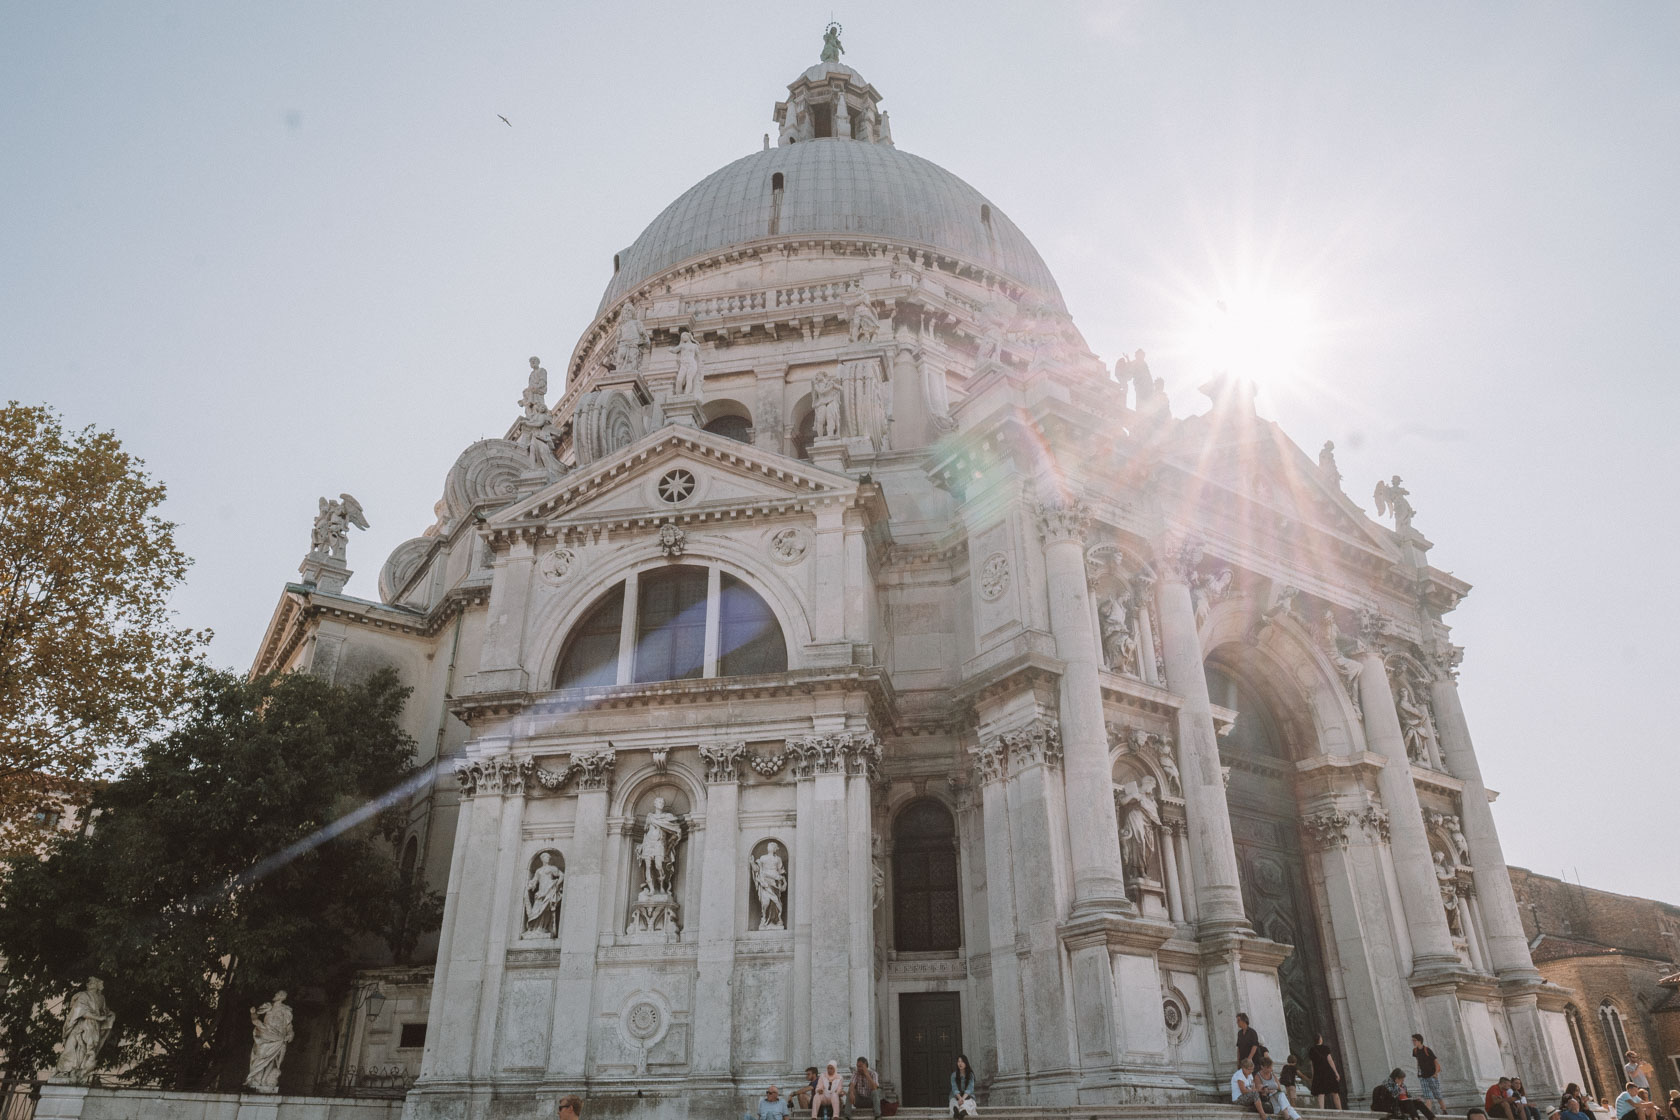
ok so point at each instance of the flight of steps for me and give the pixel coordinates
(1183, 1110)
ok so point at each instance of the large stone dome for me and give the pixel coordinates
(834, 186)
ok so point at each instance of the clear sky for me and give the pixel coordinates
(289, 250)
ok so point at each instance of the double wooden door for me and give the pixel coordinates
(930, 1030)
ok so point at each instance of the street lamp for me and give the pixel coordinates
(374, 999)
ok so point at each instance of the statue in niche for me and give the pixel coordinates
(1205, 590)
(87, 1024)
(1415, 725)
(825, 405)
(330, 535)
(1447, 878)
(877, 877)
(1327, 464)
(543, 892)
(1330, 640)
(1140, 828)
(769, 876)
(688, 366)
(271, 1033)
(662, 831)
(1119, 637)
(1391, 496)
(865, 323)
(632, 337)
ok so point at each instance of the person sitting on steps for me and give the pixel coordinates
(826, 1093)
(962, 1089)
(864, 1091)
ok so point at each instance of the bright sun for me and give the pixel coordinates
(1260, 336)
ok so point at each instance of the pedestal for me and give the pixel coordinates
(324, 572)
(684, 412)
(656, 914)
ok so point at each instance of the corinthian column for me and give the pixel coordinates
(1098, 882)
(1213, 856)
(1420, 895)
(1506, 944)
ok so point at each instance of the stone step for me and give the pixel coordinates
(1187, 1110)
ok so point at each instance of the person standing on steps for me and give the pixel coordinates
(1248, 1041)
(1429, 1074)
(1326, 1078)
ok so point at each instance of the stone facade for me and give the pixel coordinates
(1619, 958)
(1077, 726)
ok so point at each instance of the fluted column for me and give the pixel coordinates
(1098, 881)
(1507, 947)
(1420, 895)
(1213, 855)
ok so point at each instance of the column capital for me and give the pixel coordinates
(723, 761)
(991, 760)
(596, 769)
(1038, 743)
(501, 775)
(1328, 829)
(1178, 556)
(846, 752)
(1062, 519)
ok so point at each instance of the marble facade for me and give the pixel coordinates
(1079, 726)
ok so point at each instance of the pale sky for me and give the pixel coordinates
(289, 250)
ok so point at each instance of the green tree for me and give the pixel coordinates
(89, 661)
(249, 850)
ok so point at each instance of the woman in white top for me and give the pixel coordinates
(828, 1089)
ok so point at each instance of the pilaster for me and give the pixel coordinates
(580, 921)
(713, 1013)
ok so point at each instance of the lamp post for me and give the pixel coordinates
(374, 999)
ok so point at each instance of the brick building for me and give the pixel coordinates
(1620, 956)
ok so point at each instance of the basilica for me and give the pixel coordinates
(843, 660)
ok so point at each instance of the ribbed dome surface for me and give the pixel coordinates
(834, 186)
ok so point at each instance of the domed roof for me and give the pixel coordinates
(834, 186)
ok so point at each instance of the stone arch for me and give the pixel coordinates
(801, 427)
(632, 788)
(555, 618)
(729, 418)
(684, 796)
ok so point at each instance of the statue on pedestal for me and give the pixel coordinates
(1119, 639)
(632, 337)
(825, 405)
(330, 535)
(1140, 829)
(1415, 725)
(271, 1033)
(831, 48)
(539, 435)
(87, 1024)
(688, 366)
(1393, 496)
(542, 897)
(865, 323)
(657, 853)
(1327, 464)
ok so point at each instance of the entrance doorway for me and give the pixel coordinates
(930, 1030)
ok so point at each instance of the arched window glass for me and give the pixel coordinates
(591, 656)
(671, 625)
(749, 637)
(1614, 1034)
(925, 913)
(737, 428)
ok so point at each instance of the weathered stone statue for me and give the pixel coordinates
(831, 49)
(657, 853)
(1327, 464)
(1447, 879)
(1119, 640)
(1330, 641)
(538, 433)
(1136, 370)
(825, 405)
(1140, 829)
(865, 323)
(1205, 590)
(1392, 496)
(1415, 724)
(331, 533)
(271, 1033)
(542, 897)
(632, 338)
(688, 366)
(87, 1024)
(769, 876)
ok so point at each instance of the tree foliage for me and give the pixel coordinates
(90, 663)
(249, 850)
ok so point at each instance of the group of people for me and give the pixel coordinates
(1259, 1083)
(841, 1098)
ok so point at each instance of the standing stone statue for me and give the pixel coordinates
(542, 897)
(769, 876)
(632, 337)
(538, 433)
(1136, 370)
(1392, 496)
(1140, 829)
(87, 1024)
(825, 405)
(1330, 641)
(1327, 464)
(657, 853)
(1415, 725)
(271, 1032)
(688, 366)
(331, 533)
(865, 324)
(1119, 642)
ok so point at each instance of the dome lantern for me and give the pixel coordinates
(832, 101)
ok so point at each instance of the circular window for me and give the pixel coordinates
(675, 486)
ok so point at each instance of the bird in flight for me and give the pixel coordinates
(504, 120)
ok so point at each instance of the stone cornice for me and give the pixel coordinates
(300, 606)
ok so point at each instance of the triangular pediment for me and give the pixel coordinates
(728, 479)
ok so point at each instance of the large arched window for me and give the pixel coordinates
(925, 914)
(686, 621)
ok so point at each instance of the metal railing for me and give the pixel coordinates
(18, 1099)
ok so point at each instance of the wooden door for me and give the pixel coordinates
(930, 1030)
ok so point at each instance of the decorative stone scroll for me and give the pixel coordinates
(723, 761)
(1150, 746)
(502, 775)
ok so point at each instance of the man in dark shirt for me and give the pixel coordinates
(1429, 1074)
(1248, 1041)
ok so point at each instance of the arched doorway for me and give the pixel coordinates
(1277, 891)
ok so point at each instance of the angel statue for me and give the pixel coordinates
(1392, 496)
(332, 526)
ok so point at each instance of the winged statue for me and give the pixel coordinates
(1391, 496)
(331, 532)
